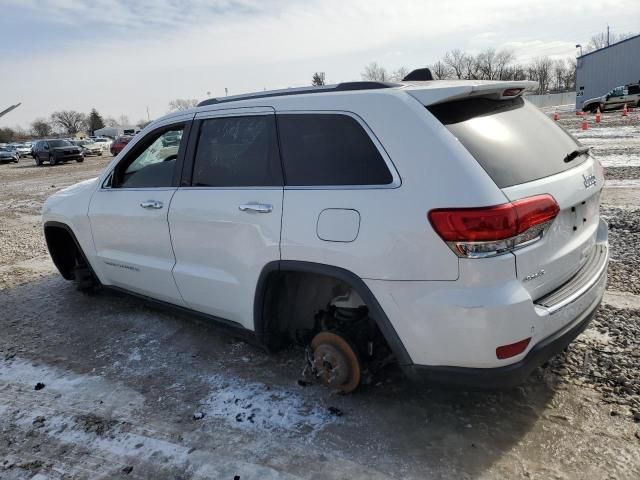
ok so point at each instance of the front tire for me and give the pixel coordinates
(84, 280)
(16, 160)
(38, 161)
(52, 160)
(80, 160)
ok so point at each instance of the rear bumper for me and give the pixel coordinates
(451, 330)
(509, 375)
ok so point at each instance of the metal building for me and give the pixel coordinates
(600, 71)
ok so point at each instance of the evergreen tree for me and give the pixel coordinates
(95, 121)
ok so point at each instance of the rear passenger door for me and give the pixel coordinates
(225, 218)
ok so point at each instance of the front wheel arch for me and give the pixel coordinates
(68, 256)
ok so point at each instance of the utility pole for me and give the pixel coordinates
(607, 34)
(148, 116)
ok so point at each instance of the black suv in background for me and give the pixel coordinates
(56, 151)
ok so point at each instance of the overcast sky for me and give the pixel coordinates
(122, 56)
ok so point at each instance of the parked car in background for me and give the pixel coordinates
(451, 224)
(617, 98)
(56, 151)
(88, 147)
(23, 149)
(103, 142)
(9, 155)
(118, 144)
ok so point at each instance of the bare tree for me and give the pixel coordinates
(503, 61)
(540, 70)
(69, 121)
(570, 74)
(493, 65)
(123, 121)
(110, 122)
(399, 74)
(456, 61)
(440, 70)
(471, 68)
(375, 72)
(142, 123)
(318, 79)
(600, 40)
(182, 104)
(40, 128)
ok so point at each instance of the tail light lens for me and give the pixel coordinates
(489, 231)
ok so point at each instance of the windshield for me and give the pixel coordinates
(59, 143)
(511, 139)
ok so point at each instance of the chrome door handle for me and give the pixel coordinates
(151, 204)
(256, 207)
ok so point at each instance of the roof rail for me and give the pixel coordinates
(340, 87)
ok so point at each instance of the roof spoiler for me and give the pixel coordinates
(448, 91)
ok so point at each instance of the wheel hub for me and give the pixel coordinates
(335, 362)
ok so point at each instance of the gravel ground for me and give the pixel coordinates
(105, 386)
(624, 238)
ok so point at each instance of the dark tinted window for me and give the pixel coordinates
(329, 149)
(634, 89)
(511, 139)
(237, 152)
(59, 143)
(152, 163)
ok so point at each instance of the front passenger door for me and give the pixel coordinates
(128, 215)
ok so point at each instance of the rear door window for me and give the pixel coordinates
(511, 139)
(329, 149)
(237, 152)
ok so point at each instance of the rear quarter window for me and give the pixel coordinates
(511, 139)
(329, 149)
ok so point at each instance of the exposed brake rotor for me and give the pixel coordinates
(335, 362)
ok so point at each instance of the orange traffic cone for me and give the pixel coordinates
(598, 115)
(585, 124)
(556, 116)
(625, 111)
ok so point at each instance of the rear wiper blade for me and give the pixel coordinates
(576, 153)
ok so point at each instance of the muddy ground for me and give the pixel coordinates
(105, 386)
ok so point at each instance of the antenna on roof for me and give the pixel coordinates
(418, 75)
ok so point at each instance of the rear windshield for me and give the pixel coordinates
(511, 139)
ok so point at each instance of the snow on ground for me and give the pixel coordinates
(633, 183)
(619, 160)
(631, 131)
(256, 406)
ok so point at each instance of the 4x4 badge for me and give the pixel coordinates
(589, 181)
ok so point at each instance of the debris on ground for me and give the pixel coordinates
(39, 386)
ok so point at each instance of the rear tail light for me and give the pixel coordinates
(489, 231)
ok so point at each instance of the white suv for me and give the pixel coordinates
(449, 225)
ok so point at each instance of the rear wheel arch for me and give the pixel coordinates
(269, 291)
